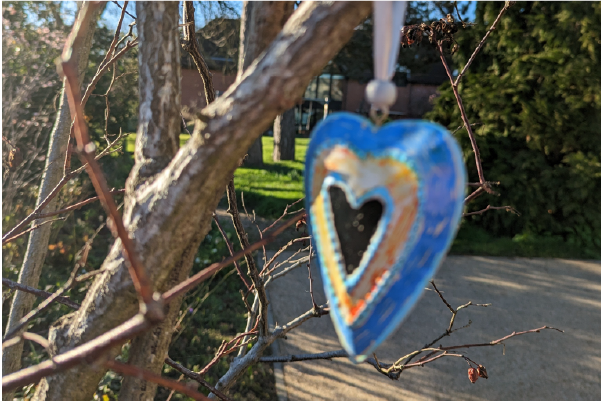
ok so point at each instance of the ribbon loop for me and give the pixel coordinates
(389, 17)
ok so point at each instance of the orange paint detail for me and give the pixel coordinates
(364, 175)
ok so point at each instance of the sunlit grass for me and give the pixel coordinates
(269, 189)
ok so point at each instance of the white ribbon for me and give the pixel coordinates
(389, 17)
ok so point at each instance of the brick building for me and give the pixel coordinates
(327, 93)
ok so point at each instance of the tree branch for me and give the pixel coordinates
(39, 293)
(130, 370)
(195, 376)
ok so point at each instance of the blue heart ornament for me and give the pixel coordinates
(384, 204)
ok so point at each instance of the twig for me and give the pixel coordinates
(195, 376)
(117, 3)
(230, 248)
(466, 123)
(86, 149)
(305, 357)
(135, 371)
(489, 207)
(190, 44)
(78, 205)
(28, 336)
(289, 268)
(254, 221)
(282, 249)
(285, 213)
(27, 318)
(473, 195)
(39, 293)
(253, 271)
(14, 237)
(191, 282)
(481, 44)
(35, 214)
(311, 278)
(85, 352)
(241, 340)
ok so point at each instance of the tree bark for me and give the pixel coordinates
(172, 213)
(260, 24)
(284, 134)
(37, 245)
(157, 141)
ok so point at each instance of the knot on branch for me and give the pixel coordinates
(154, 311)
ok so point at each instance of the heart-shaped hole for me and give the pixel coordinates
(355, 227)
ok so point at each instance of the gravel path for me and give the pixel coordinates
(525, 294)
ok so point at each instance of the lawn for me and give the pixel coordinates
(268, 190)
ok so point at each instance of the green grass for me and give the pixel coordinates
(474, 240)
(268, 190)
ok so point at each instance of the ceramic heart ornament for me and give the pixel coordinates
(384, 205)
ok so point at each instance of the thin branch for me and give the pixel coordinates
(474, 195)
(85, 352)
(14, 237)
(190, 44)
(78, 205)
(285, 214)
(289, 268)
(132, 327)
(253, 271)
(305, 357)
(130, 370)
(230, 248)
(282, 249)
(311, 278)
(28, 336)
(481, 44)
(27, 318)
(39, 293)
(466, 123)
(35, 214)
(117, 3)
(489, 207)
(86, 149)
(195, 376)
(193, 281)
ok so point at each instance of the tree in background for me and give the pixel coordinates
(535, 92)
(169, 207)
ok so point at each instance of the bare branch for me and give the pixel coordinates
(230, 248)
(86, 148)
(7, 240)
(489, 207)
(134, 371)
(78, 205)
(305, 357)
(86, 352)
(481, 44)
(215, 267)
(195, 376)
(39, 293)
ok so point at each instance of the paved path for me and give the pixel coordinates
(525, 294)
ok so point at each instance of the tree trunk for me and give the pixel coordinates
(37, 245)
(171, 213)
(157, 141)
(260, 24)
(284, 134)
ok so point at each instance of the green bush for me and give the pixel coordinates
(535, 88)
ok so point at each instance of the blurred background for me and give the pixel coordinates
(533, 95)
